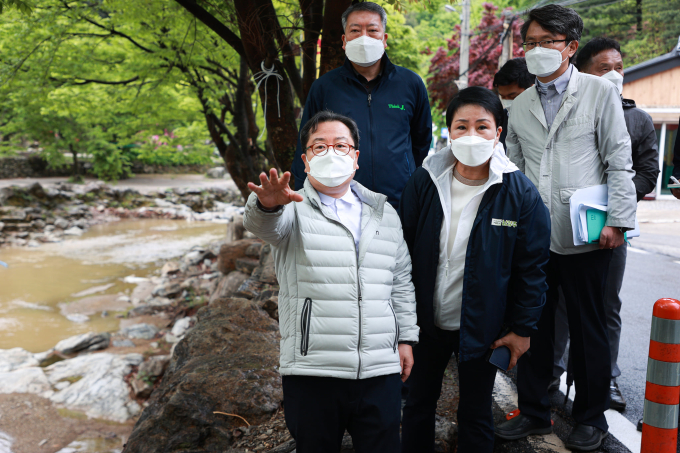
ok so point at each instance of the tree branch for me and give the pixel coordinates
(214, 24)
(101, 82)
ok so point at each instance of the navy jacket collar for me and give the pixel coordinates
(348, 71)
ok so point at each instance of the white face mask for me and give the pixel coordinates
(330, 169)
(615, 78)
(507, 103)
(364, 50)
(543, 62)
(472, 150)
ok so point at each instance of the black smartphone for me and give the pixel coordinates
(499, 357)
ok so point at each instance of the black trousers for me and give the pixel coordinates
(319, 409)
(582, 278)
(476, 379)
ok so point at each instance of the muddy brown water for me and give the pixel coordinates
(39, 280)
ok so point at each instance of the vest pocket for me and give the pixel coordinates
(305, 320)
(396, 329)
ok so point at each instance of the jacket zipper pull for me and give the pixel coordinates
(369, 99)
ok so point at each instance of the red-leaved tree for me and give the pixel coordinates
(485, 51)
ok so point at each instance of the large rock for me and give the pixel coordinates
(167, 290)
(25, 380)
(228, 362)
(228, 285)
(149, 372)
(265, 271)
(96, 385)
(216, 173)
(86, 342)
(229, 253)
(15, 359)
(140, 331)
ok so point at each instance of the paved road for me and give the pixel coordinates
(652, 272)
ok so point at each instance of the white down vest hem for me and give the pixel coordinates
(340, 316)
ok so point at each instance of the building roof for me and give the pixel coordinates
(653, 66)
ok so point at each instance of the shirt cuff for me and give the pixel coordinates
(410, 343)
(262, 208)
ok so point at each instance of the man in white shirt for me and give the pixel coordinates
(347, 309)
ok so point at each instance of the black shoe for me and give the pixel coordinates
(585, 438)
(519, 427)
(618, 402)
(554, 385)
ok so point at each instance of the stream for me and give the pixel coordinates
(39, 281)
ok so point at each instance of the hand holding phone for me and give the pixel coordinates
(517, 346)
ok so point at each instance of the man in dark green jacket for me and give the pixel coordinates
(389, 104)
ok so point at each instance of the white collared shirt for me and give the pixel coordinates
(347, 210)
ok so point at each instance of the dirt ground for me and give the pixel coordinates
(30, 420)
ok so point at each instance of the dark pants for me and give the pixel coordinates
(582, 278)
(612, 311)
(476, 378)
(319, 409)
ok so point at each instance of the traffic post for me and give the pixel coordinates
(662, 394)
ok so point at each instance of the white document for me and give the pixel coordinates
(595, 195)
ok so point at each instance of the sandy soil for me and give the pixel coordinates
(30, 420)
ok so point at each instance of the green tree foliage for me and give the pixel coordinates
(485, 51)
(644, 28)
(74, 79)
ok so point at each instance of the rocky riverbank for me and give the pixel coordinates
(30, 216)
(194, 363)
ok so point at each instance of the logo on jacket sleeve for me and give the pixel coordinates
(505, 223)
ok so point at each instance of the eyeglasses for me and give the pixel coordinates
(341, 149)
(549, 44)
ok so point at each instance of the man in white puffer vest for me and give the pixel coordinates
(347, 309)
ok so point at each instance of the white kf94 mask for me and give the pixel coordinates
(364, 50)
(472, 150)
(330, 169)
(615, 78)
(543, 62)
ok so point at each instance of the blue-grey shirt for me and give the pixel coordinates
(551, 94)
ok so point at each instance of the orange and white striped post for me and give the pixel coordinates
(662, 395)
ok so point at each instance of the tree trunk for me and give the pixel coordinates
(332, 55)
(76, 165)
(312, 16)
(276, 95)
(638, 4)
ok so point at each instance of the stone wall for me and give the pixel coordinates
(34, 166)
(28, 167)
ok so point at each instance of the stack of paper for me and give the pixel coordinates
(581, 201)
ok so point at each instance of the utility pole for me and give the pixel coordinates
(464, 46)
(464, 58)
(506, 41)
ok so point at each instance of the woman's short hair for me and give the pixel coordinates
(480, 96)
(326, 116)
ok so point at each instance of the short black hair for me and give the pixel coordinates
(326, 116)
(480, 96)
(365, 6)
(586, 53)
(514, 71)
(556, 19)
